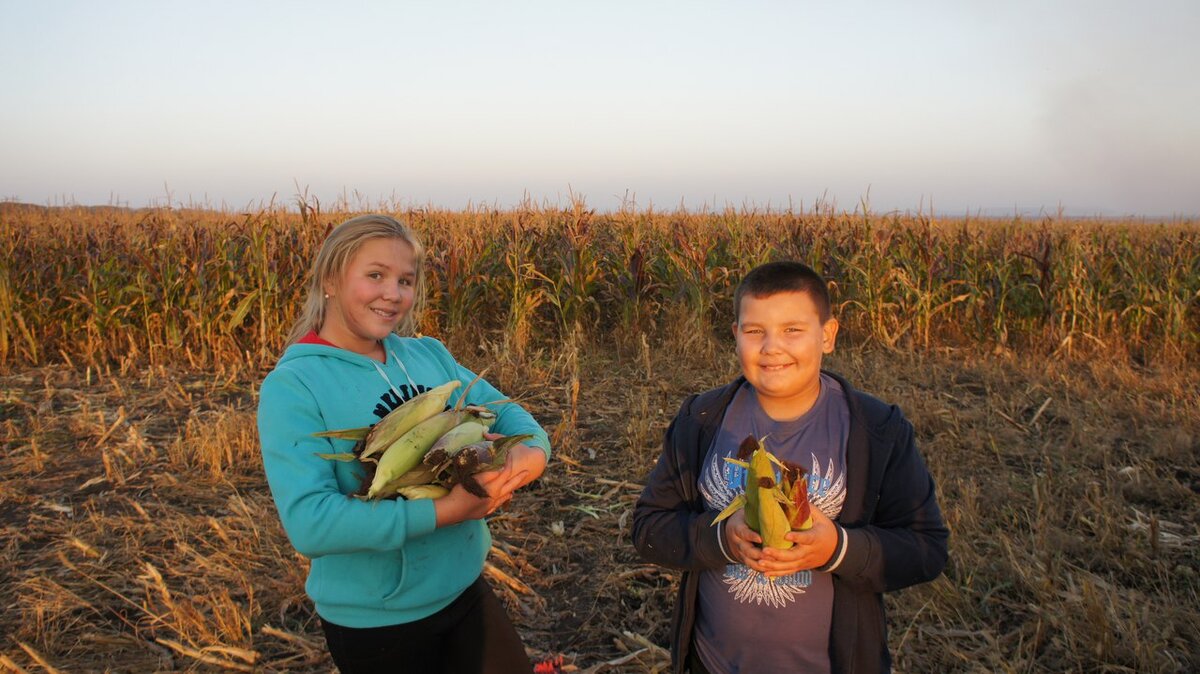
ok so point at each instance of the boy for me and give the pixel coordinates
(817, 607)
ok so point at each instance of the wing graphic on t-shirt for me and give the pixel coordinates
(720, 481)
(826, 491)
(751, 587)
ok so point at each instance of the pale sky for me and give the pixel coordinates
(1092, 106)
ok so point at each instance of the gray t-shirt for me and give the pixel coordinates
(747, 622)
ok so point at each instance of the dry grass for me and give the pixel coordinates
(138, 534)
(1049, 368)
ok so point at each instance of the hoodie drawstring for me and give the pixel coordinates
(411, 384)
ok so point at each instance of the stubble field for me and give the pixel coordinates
(137, 533)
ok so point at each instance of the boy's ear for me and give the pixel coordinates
(829, 335)
(734, 327)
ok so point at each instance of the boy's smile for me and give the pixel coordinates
(371, 296)
(780, 342)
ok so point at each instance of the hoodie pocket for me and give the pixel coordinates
(397, 578)
(359, 579)
(435, 568)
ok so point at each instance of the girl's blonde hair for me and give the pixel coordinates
(337, 249)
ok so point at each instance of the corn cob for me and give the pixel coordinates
(773, 522)
(453, 440)
(773, 507)
(800, 511)
(398, 422)
(418, 491)
(455, 468)
(477, 458)
(415, 477)
(745, 451)
(406, 453)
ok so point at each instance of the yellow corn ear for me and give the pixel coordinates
(416, 476)
(773, 520)
(399, 421)
(761, 496)
(406, 453)
(417, 491)
(760, 480)
(799, 510)
(394, 426)
(769, 511)
(460, 436)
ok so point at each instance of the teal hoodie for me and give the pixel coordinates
(374, 563)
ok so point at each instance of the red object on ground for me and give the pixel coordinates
(549, 666)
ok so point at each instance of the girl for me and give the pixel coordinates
(397, 583)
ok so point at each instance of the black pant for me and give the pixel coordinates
(472, 634)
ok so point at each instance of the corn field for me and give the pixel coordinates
(1048, 367)
(106, 286)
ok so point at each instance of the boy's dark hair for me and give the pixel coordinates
(785, 276)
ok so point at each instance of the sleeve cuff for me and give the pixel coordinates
(839, 552)
(721, 542)
(420, 516)
(541, 443)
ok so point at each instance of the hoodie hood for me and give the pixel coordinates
(297, 351)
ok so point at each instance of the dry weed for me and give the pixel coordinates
(137, 534)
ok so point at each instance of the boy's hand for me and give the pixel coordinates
(742, 542)
(812, 548)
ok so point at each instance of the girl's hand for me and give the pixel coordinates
(523, 458)
(461, 505)
(523, 465)
(527, 460)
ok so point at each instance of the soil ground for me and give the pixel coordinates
(137, 533)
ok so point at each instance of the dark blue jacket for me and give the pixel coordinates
(895, 536)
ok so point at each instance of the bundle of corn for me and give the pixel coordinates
(774, 506)
(425, 449)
